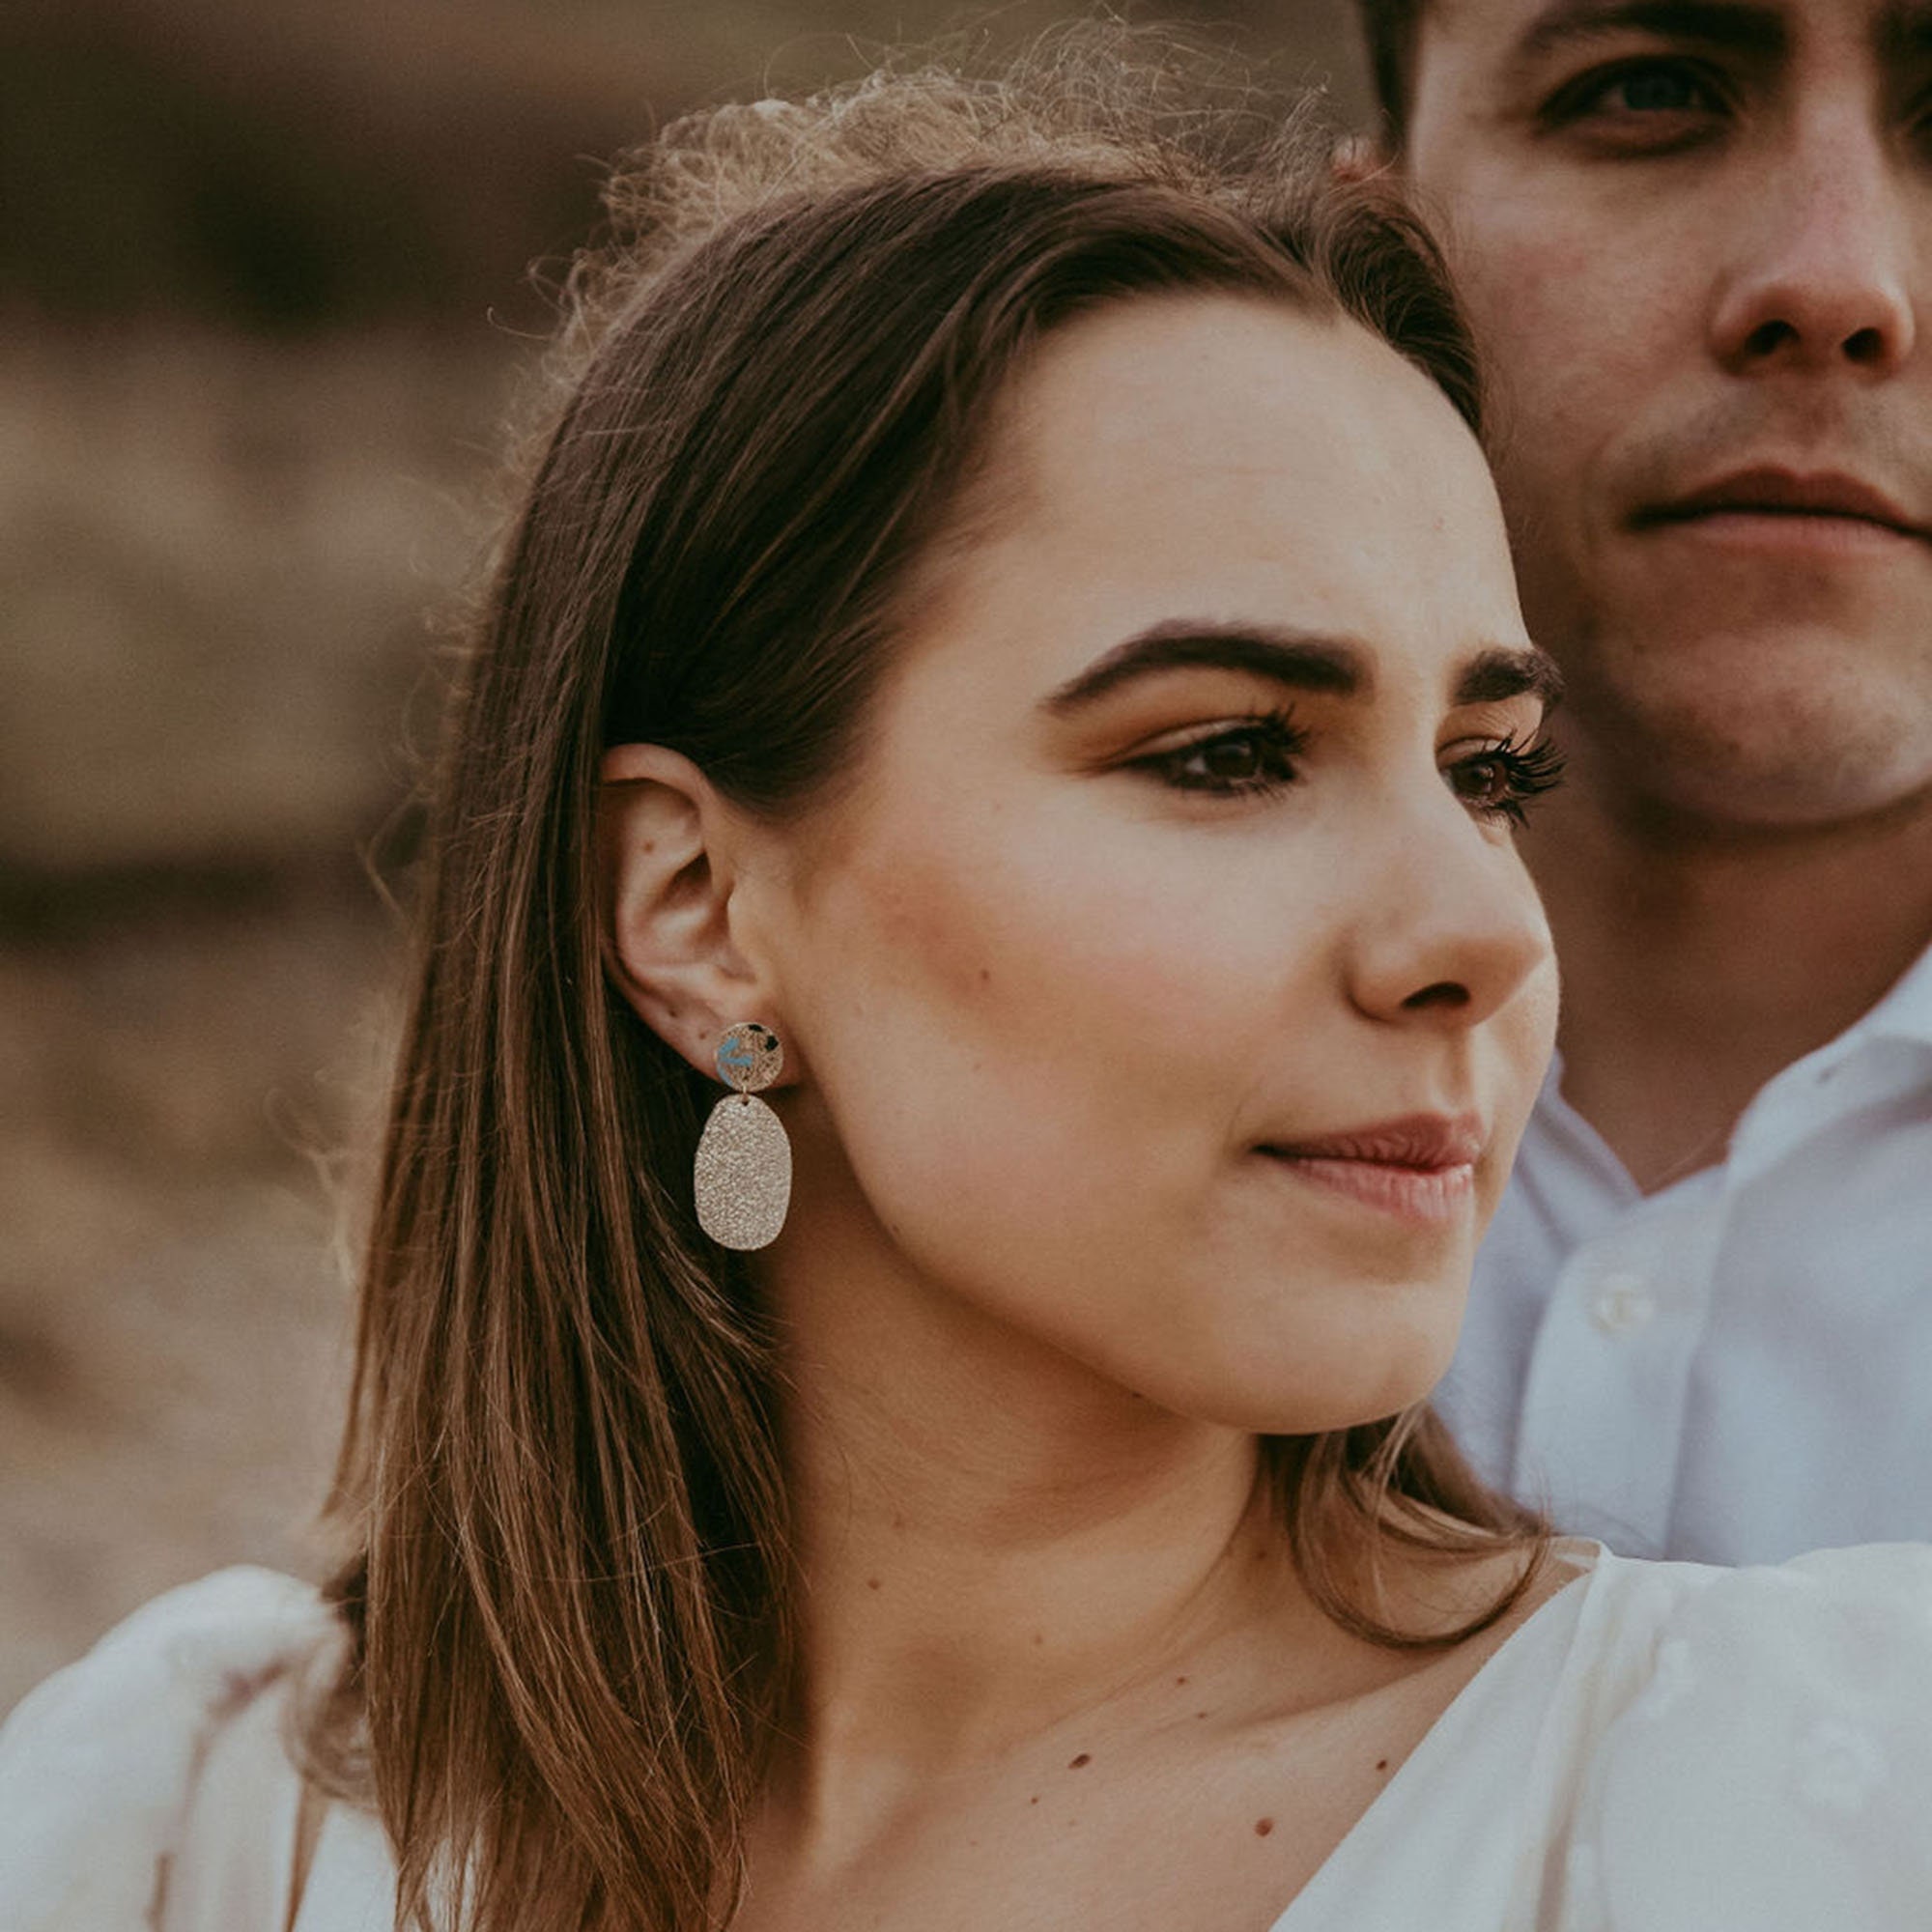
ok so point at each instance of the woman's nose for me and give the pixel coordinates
(1452, 930)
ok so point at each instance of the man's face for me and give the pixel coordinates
(1695, 237)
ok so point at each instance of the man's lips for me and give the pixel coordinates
(1420, 1168)
(1775, 493)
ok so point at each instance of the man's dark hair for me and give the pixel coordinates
(1389, 30)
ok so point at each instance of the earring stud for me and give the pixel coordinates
(742, 1174)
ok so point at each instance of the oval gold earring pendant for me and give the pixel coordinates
(742, 1174)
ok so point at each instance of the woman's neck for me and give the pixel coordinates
(994, 1542)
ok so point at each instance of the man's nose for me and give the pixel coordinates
(1824, 270)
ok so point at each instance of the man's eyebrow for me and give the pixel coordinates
(1904, 33)
(1301, 659)
(1740, 25)
(1492, 675)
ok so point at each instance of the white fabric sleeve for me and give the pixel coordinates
(98, 1766)
(1774, 1773)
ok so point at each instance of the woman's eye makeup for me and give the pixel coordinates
(1254, 757)
(1499, 780)
(1649, 105)
(1242, 757)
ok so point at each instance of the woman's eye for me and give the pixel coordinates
(1254, 756)
(1499, 780)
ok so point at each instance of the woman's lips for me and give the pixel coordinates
(1430, 1196)
(1420, 1169)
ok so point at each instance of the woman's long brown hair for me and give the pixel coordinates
(570, 1606)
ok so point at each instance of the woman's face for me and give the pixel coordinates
(1167, 988)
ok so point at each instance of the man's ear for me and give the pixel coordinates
(1358, 158)
(666, 877)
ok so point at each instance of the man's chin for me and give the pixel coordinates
(1766, 724)
(1770, 759)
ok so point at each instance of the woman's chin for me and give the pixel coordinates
(1290, 1393)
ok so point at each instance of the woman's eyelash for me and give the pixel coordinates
(1259, 755)
(1507, 777)
(1252, 756)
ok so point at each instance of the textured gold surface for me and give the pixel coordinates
(742, 1176)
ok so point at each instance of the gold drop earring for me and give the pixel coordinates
(742, 1176)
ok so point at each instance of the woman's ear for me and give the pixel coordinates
(666, 877)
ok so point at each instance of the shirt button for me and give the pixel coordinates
(1622, 1304)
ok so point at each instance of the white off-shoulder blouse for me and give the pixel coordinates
(1660, 1747)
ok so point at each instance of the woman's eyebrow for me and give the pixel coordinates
(1509, 671)
(1300, 660)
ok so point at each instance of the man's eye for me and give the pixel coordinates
(1919, 122)
(1659, 90)
(1257, 756)
(1663, 94)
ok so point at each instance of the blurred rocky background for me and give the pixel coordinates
(264, 289)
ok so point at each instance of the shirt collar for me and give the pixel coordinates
(1905, 1013)
(1879, 1056)
(1789, 1106)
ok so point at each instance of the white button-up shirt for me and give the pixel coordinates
(1738, 1368)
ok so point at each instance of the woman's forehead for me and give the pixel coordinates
(1223, 460)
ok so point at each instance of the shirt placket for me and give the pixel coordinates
(1609, 1378)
